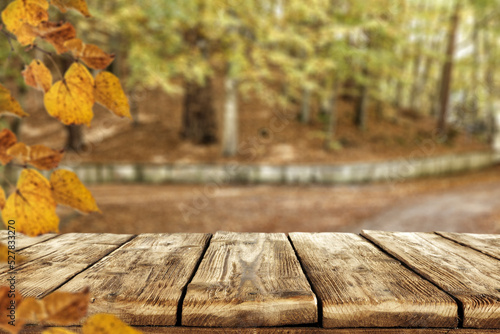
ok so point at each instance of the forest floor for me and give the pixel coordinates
(460, 203)
(154, 138)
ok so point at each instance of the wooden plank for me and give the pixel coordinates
(470, 276)
(485, 243)
(142, 282)
(23, 241)
(249, 280)
(286, 330)
(52, 263)
(360, 286)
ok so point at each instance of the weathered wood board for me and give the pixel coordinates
(142, 282)
(287, 330)
(55, 261)
(360, 286)
(471, 277)
(249, 280)
(485, 243)
(23, 241)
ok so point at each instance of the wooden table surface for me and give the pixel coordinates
(375, 282)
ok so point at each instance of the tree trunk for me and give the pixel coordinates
(330, 108)
(230, 136)
(199, 122)
(305, 113)
(448, 69)
(75, 141)
(361, 105)
(490, 45)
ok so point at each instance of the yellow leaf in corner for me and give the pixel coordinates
(69, 190)
(58, 308)
(5, 303)
(32, 206)
(9, 104)
(90, 54)
(71, 99)
(37, 75)
(21, 12)
(7, 140)
(107, 324)
(109, 93)
(65, 5)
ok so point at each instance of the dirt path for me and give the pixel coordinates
(462, 203)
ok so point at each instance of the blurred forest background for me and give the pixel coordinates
(285, 82)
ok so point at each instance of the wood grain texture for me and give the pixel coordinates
(23, 241)
(249, 280)
(53, 262)
(142, 281)
(360, 286)
(286, 330)
(470, 276)
(485, 243)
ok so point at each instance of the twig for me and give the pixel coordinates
(50, 55)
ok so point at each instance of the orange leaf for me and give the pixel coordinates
(109, 93)
(56, 34)
(90, 54)
(10, 299)
(58, 308)
(2, 198)
(44, 158)
(32, 206)
(65, 5)
(37, 75)
(20, 152)
(69, 190)
(106, 324)
(71, 100)
(7, 140)
(20, 12)
(9, 104)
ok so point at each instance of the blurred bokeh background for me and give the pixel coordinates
(284, 115)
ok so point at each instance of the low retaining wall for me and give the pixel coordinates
(392, 171)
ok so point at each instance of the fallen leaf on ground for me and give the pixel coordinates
(9, 299)
(107, 324)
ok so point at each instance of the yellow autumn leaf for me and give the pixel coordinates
(90, 54)
(109, 93)
(37, 75)
(32, 206)
(2, 198)
(58, 308)
(69, 190)
(57, 330)
(7, 140)
(71, 99)
(107, 324)
(21, 12)
(9, 104)
(65, 5)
